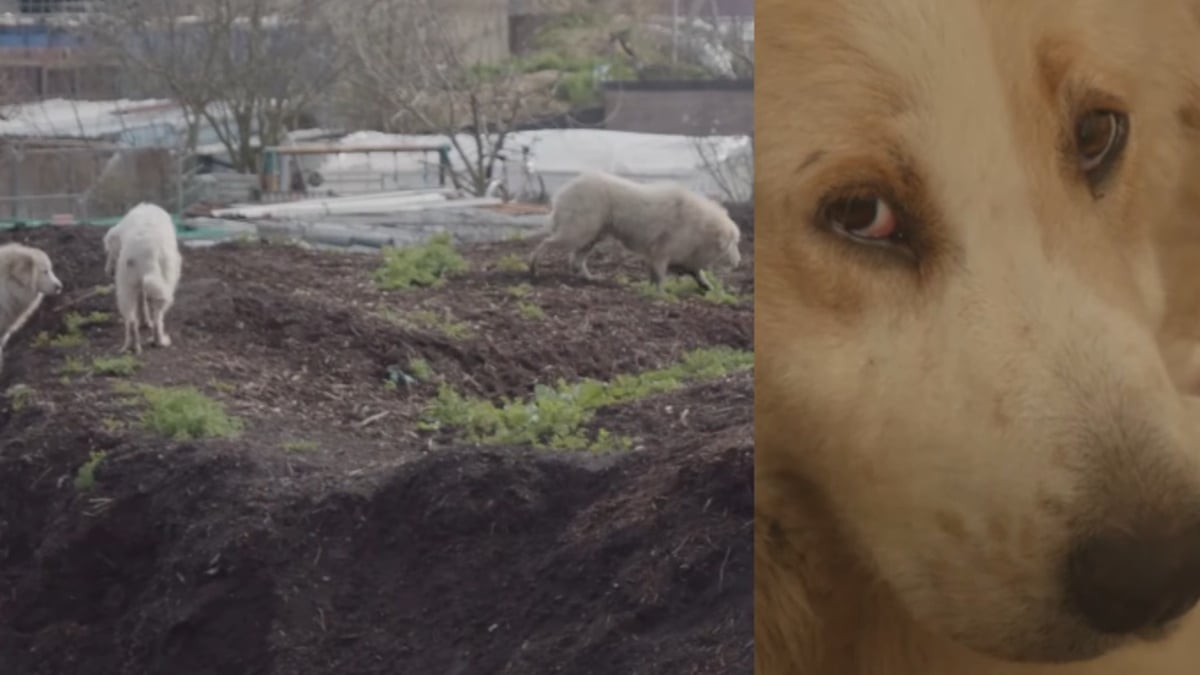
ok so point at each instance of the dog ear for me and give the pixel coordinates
(21, 271)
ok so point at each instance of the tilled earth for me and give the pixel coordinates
(332, 535)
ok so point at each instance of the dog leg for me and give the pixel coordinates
(658, 274)
(146, 318)
(578, 262)
(160, 329)
(578, 259)
(533, 257)
(702, 280)
(581, 258)
(133, 337)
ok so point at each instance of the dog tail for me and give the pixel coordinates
(155, 288)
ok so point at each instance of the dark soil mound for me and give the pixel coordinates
(332, 536)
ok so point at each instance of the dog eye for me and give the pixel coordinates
(1099, 139)
(864, 218)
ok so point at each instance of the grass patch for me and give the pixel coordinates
(422, 265)
(427, 319)
(76, 322)
(20, 397)
(73, 325)
(85, 477)
(299, 446)
(416, 371)
(124, 365)
(63, 340)
(73, 365)
(115, 366)
(677, 288)
(512, 263)
(222, 386)
(527, 309)
(420, 369)
(531, 311)
(556, 417)
(183, 413)
(520, 291)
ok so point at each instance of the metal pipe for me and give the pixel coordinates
(354, 204)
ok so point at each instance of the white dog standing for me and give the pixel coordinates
(148, 266)
(671, 227)
(26, 277)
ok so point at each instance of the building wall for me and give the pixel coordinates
(691, 108)
(481, 26)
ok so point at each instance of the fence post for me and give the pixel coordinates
(179, 168)
(443, 164)
(16, 182)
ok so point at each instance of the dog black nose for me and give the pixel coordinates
(1124, 582)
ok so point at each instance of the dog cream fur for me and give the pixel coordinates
(939, 419)
(148, 267)
(668, 225)
(26, 277)
(143, 216)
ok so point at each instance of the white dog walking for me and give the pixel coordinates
(26, 277)
(144, 250)
(668, 225)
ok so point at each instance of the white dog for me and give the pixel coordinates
(671, 227)
(148, 266)
(26, 277)
(144, 214)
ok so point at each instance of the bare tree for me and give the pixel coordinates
(731, 36)
(167, 55)
(698, 43)
(428, 60)
(730, 169)
(243, 67)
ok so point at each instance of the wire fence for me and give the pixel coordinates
(43, 180)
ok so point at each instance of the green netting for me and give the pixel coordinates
(181, 230)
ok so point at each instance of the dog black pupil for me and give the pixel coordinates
(856, 214)
(1095, 130)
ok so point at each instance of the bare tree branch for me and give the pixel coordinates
(423, 58)
(244, 67)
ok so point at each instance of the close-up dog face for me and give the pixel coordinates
(957, 302)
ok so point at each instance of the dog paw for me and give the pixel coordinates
(164, 341)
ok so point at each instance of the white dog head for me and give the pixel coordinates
(729, 256)
(32, 269)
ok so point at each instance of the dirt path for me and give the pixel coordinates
(335, 536)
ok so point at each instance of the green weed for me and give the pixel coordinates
(676, 288)
(427, 264)
(556, 417)
(183, 413)
(512, 263)
(116, 366)
(85, 477)
(531, 311)
(20, 396)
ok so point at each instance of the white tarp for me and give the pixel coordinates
(560, 154)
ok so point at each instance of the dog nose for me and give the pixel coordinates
(1123, 582)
